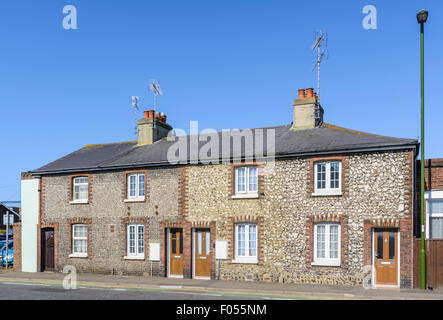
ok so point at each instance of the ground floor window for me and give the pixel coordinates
(327, 244)
(435, 218)
(246, 242)
(136, 240)
(80, 239)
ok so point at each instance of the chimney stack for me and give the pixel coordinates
(308, 113)
(152, 128)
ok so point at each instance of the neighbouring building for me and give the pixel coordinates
(307, 202)
(14, 217)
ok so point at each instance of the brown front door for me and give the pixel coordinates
(176, 252)
(202, 253)
(47, 257)
(386, 256)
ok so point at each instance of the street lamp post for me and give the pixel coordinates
(422, 16)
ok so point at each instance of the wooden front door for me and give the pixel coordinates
(176, 252)
(386, 256)
(47, 247)
(202, 253)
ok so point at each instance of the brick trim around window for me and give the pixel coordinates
(125, 184)
(124, 234)
(246, 219)
(344, 173)
(260, 178)
(343, 221)
(86, 221)
(71, 186)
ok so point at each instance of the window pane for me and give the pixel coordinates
(241, 240)
(436, 228)
(253, 179)
(252, 240)
(199, 242)
(435, 206)
(132, 180)
(321, 244)
(391, 245)
(321, 176)
(141, 185)
(333, 238)
(241, 179)
(132, 239)
(181, 242)
(335, 175)
(174, 242)
(208, 242)
(380, 245)
(80, 246)
(141, 239)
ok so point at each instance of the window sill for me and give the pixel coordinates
(79, 202)
(329, 263)
(326, 193)
(245, 196)
(135, 200)
(134, 258)
(78, 255)
(241, 261)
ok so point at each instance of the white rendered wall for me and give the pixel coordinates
(30, 206)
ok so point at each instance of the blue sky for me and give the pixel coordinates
(228, 64)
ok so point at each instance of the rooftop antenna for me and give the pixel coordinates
(320, 44)
(155, 88)
(135, 105)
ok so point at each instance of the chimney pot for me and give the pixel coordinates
(309, 92)
(149, 114)
(301, 93)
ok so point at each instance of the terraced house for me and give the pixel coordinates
(328, 205)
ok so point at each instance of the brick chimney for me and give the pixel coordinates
(308, 112)
(148, 133)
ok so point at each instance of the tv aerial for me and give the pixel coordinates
(135, 105)
(320, 46)
(155, 88)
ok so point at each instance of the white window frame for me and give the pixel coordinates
(246, 258)
(74, 253)
(137, 255)
(137, 197)
(328, 190)
(327, 261)
(74, 184)
(431, 195)
(247, 193)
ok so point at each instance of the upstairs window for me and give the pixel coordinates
(80, 189)
(136, 186)
(327, 177)
(246, 180)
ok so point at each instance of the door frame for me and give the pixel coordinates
(43, 252)
(168, 254)
(373, 279)
(193, 254)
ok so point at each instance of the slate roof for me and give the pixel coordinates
(324, 139)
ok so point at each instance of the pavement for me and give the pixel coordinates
(203, 289)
